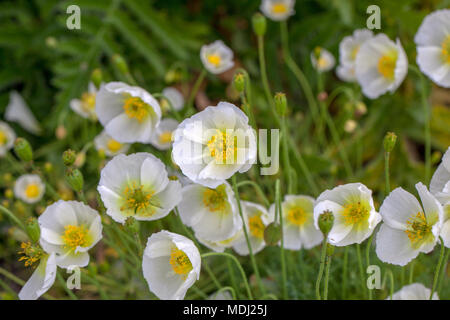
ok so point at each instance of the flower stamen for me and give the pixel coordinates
(215, 199)
(355, 212)
(180, 262)
(297, 216)
(136, 108)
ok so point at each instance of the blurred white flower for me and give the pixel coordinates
(18, 111)
(137, 185)
(408, 228)
(257, 218)
(104, 143)
(381, 66)
(29, 188)
(175, 98)
(322, 59)
(85, 106)
(414, 291)
(70, 229)
(214, 144)
(41, 280)
(216, 57)
(433, 47)
(219, 246)
(277, 10)
(128, 114)
(348, 50)
(171, 265)
(162, 138)
(211, 213)
(355, 217)
(298, 222)
(7, 137)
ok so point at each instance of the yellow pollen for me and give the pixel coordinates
(322, 62)
(139, 200)
(386, 65)
(165, 137)
(355, 213)
(32, 190)
(180, 262)
(3, 138)
(136, 108)
(113, 145)
(279, 8)
(215, 199)
(31, 254)
(75, 236)
(88, 101)
(214, 59)
(297, 216)
(223, 147)
(446, 50)
(355, 52)
(256, 226)
(418, 228)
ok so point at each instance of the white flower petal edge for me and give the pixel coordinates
(277, 10)
(29, 188)
(85, 106)
(171, 264)
(175, 97)
(162, 138)
(414, 291)
(111, 147)
(7, 138)
(441, 177)
(216, 57)
(41, 280)
(18, 111)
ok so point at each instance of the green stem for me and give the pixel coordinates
(327, 275)
(369, 245)
(244, 227)
(303, 167)
(386, 172)
(13, 217)
(444, 268)
(321, 268)
(282, 256)
(391, 277)
(257, 189)
(438, 268)
(233, 293)
(7, 288)
(230, 256)
(361, 269)
(287, 163)
(345, 273)
(195, 88)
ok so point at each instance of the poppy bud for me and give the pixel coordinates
(23, 149)
(259, 24)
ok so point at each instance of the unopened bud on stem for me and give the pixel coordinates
(389, 141)
(23, 149)
(259, 24)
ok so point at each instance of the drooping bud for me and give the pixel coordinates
(280, 103)
(389, 141)
(132, 224)
(23, 149)
(272, 234)
(33, 229)
(69, 157)
(326, 220)
(239, 82)
(74, 178)
(120, 63)
(97, 77)
(259, 24)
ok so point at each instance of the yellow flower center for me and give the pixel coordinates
(355, 212)
(31, 254)
(279, 8)
(165, 137)
(136, 108)
(354, 52)
(88, 101)
(446, 49)
(180, 262)
(297, 216)
(214, 59)
(113, 145)
(3, 138)
(75, 236)
(32, 190)
(418, 228)
(322, 62)
(215, 199)
(256, 226)
(223, 146)
(386, 65)
(137, 199)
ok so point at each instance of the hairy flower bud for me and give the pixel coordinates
(272, 234)
(74, 178)
(326, 220)
(239, 82)
(97, 77)
(69, 157)
(23, 149)
(259, 24)
(389, 141)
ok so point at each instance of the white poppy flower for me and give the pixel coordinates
(298, 222)
(220, 246)
(171, 265)
(322, 59)
(211, 213)
(137, 185)
(216, 57)
(174, 96)
(70, 229)
(257, 218)
(18, 111)
(408, 228)
(277, 10)
(41, 280)
(355, 217)
(414, 291)
(85, 106)
(7, 137)
(29, 188)
(433, 47)
(129, 114)
(214, 144)
(104, 143)
(162, 138)
(348, 50)
(381, 65)
(441, 177)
